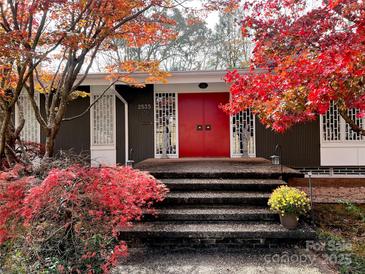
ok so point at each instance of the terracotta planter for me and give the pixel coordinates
(289, 221)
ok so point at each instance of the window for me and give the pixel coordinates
(350, 134)
(335, 129)
(331, 124)
(31, 129)
(165, 124)
(103, 120)
(243, 133)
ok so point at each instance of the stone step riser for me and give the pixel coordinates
(218, 175)
(214, 235)
(216, 201)
(219, 244)
(223, 187)
(214, 218)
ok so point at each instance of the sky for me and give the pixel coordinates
(213, 17)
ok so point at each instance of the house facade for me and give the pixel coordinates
(182, 119)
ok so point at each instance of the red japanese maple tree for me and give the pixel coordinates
(304, 59)
(71, 219)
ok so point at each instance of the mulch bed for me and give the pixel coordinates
(337, 194)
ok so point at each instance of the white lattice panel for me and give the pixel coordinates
(331, 125)
(31, 129)
(350, 134)
(335, 129)
(243, 134)
(165, 124)
(103, 120)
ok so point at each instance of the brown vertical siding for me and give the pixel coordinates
(120, 142)
(141, 127)
(74, 134)
(300, 144)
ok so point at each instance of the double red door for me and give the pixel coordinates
(203, 126)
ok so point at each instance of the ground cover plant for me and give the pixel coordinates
(68, 221)
(342, 229)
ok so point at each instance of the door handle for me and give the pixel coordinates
(199, 127)
(208, 127)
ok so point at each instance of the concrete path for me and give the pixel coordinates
(181, 262)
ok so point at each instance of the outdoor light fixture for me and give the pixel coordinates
(130, 163)
(275, 160)
(203, 85)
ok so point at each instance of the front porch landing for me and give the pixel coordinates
(238, 168)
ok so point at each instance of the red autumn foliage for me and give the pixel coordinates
(74, 214)
(12, 194)
(303, 59)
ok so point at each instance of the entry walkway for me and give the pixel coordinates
(278, 261)
(216, 168)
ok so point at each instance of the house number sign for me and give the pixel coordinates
(144, 107)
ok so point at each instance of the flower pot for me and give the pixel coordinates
(289, 221)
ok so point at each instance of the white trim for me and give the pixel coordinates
(254, 136)
(335, 176)
(177, 77)
(126, 124)
(348, 144)
(341, 152)
(154, 124)
(191, 87)
(103, 154)
(177, 126)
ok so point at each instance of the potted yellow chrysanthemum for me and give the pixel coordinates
(290, 203)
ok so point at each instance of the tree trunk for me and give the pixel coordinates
(50, 141)
(352, 123)
(4, 131)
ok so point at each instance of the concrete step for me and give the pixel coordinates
(217, 197)
(244, 174)
(218, 168)
(229, 230)
(223, 184)
(214, 214)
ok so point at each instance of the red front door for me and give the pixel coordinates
(203, 126)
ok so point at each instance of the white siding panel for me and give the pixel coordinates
(105, 157)
(341, 156)
(362, 156)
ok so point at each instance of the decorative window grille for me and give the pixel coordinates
(335, 129)
(31, 129)
(350, 134)
(103, 120)
(243, 133)
(165, 124)
(331, 124)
